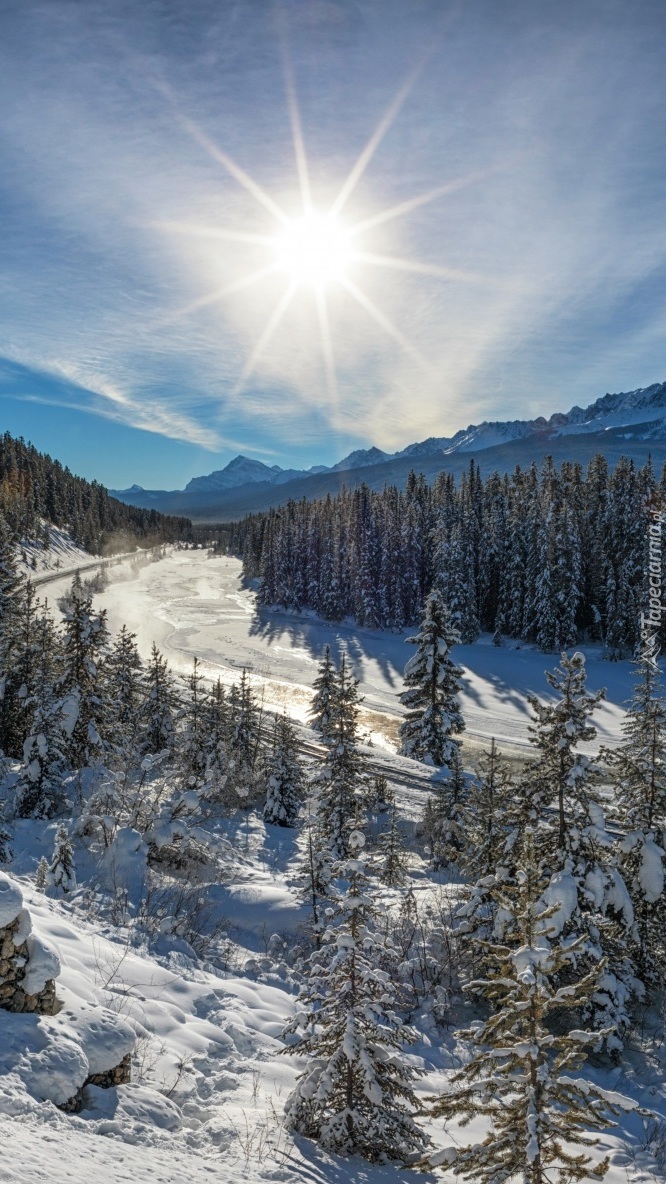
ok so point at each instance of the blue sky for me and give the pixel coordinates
(509, 229)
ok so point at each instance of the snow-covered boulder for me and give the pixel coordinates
(29, 966)
(52, 1050)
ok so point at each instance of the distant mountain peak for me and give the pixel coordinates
(242, 470)
(638, 415)
(361, 458)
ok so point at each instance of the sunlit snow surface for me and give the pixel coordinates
(190, 604)
(209, 1039)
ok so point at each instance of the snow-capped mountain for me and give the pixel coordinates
(643, 411)
(242, 470)
(614, 423)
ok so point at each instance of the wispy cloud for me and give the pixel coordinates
(521, 162)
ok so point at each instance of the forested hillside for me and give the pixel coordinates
(35, 488)
(553, 556)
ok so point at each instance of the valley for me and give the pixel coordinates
(192, 604)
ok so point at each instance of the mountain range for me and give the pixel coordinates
(631, 423)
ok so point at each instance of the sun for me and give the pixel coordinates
(314, 250)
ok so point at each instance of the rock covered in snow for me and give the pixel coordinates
(28, 964)
(11, 900)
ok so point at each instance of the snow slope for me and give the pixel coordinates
(208, 1081)
(191, 604)
(63, 555)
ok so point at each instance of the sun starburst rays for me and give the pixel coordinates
(314, 249)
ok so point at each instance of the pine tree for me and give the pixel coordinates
(445, 816)
(62, 873)
(315, 871)
(41, 875)
(193, 739)
(22, 659)
(285, 776)
(324, 685)
(562, 772)
(217, 729)
(13, 590)
(574, 844)
(520, 1073)
(638, 767)
(123, 673)
(84, 646)
(355, 1093)
(488, 813)
(392, 856)
(432, 680)
(342, 776)
(39, 785)
(245, 746)
(158, 727)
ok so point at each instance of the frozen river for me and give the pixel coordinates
(192, 604)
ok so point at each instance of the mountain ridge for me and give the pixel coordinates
(631, 420)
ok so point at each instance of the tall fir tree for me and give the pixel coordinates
(520, 1076)
(39, 786)
(488, 813)
(433, 718)
(355, 1095)
(286, 780)
(62, 873)
(123, 675)
(638, 770)
(342, 776)
(324, 688)
(158, 713)
(85, 705)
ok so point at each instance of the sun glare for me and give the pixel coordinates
(314, 250)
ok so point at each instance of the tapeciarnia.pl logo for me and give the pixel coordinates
(651, 621)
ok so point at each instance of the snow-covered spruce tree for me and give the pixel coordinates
(21, 661)
(574, 845)
(432, 680)
(444, 821)
(84, 703)
(217, 734)
(39, 785)
(391, 859)
(158, 713)
(12, 594)
(324, 689)
(342, 776)
(41, 875)
(520, 1075)
(62, 873)
(488, 812)
(286, 779)
(355, 1093)
(123, 675)
(561, 772)
(315, 871)
(245, 744)
(638, 769)
(192, 757)
(457, 581)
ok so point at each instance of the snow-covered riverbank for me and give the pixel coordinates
(192, 604)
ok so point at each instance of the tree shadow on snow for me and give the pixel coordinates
(360, 646)
(314, 1166)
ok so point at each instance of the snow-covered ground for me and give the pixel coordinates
(191, 604)
(62, 555)
(209, 1083)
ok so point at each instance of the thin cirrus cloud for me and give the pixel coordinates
(506, 186)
